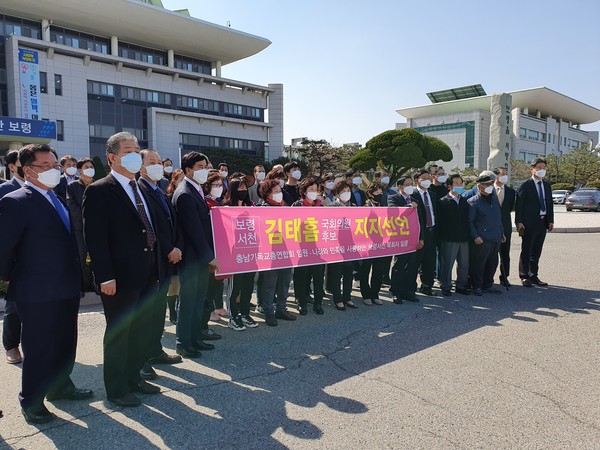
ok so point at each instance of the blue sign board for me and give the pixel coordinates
(41, 129)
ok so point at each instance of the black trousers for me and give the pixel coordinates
(11, 331)
(505, 257)
(192, 316)
(242, 286)
(302, 276)
(158, 304)
(532, 243)
(371, 273)
(404, 274)
(425, 259)
(49, 341)
(339, 278)
(483, 263)
(86, 270)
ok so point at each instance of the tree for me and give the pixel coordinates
(519, 170)
(321, 157)
(580, 166)
(399, 151)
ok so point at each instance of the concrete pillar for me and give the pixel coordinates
(275, 111)
(15, 145)
(114, 46)
(45, 30)
(217, 67)
(525, 110)
(170, 58)
(538, 114)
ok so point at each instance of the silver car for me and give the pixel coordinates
(560, 196)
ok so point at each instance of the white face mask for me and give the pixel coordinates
(425, 184)
(200, 176)
(408, 190)
(357, 181)
(50, 178)
(489, 189)
(71, 171)
(277, 198)
(503, 179)
(131, 162)
(155, 172)
(90, 172)
(312, 196)
(260, 176)
(168, 169)
(345, 196)
(540, 173)
(281, 183)
(385, 180)
(216, 192)
(442, 178)
(224, 173)
(296, 174)
(329, 185)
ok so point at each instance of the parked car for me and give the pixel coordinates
(584, 199)
(560, 196)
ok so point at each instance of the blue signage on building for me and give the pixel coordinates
(41, 129)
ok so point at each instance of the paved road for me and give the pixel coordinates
(517, 370)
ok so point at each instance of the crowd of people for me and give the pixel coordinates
(141, 238)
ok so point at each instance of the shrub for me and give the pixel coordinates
(563, 187)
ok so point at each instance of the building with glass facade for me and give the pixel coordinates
(544, 122)
(131, 65)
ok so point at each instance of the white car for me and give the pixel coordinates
(560, 196)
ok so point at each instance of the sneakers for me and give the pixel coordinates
(236, 324)
(377, 301)
(248, 321)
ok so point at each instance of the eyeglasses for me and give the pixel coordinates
(47, 167)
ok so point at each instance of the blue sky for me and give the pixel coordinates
(348, 65)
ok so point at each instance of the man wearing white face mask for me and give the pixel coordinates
(438, 183)
(259, 175)
(384, 177)
(485, 229)
(359, 197)
(506, 197)
(69, 169)
(39, 259)
(534, 216)
(293, 175)
(121, 237)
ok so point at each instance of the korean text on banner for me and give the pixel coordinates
(262, 238)
(31, 107)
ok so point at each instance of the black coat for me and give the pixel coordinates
(527, 206)
(9, 186)
(416, 197)
(75, 201)
(508, 205)
(37, 254)
(452, 219)
(361, 194)
(116, 237)
(398, 200)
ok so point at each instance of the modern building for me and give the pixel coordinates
(80, 71)
(542, 122)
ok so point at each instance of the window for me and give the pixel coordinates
(43, 82)
(60, 130)
(522, 133)
(58, 84)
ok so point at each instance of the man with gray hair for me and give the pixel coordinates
(485, 228)
(122, 242)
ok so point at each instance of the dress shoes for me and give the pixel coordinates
(37, 414)
(70, 393)
(339, 306)
(426, 290)
(143, 387)
(410, 298)
(13, 356)
(303, 310)
(462, 291)
(350, 305)
(538, 282)
(147, 372)
(127, 401)
(504, 282)
(201, 345)
(397, 300)
(446, 292)
(210, 335)
(163, 358)
(526, 282)
(284, 315)
(270, 320)
(318, 309)
(190, 353)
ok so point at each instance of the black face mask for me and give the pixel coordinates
(242, 195)
(377, 198)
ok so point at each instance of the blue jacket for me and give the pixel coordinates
(485, 218)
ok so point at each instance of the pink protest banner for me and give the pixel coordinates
(262, 238)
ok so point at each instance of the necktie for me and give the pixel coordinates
(150, 236)
(163, 200)
(541, 196)
(500, 195)
(60, 209)
(427, 210)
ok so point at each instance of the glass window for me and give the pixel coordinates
(60, 130)
(43, 82)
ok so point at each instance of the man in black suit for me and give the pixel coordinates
(534, 216)
(170, 254)
(39, 259)
(69, 168)
(506, 197)
(453, 234)
(11, 332)
(427, 209)
(404, 270)
(120, 235)
(195, 229)
(359, 197)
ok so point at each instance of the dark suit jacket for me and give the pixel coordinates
(398, 200)
(75, 201)
(416, 197)
(194, 225)
(508, 205)
(37, 254)
(9, 186)
(115, 236)
(527, 207)
(361, 194)
(165, 226)
(452, 221)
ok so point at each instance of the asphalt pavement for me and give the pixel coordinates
(513, 370)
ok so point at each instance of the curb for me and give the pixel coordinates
(572, 230)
